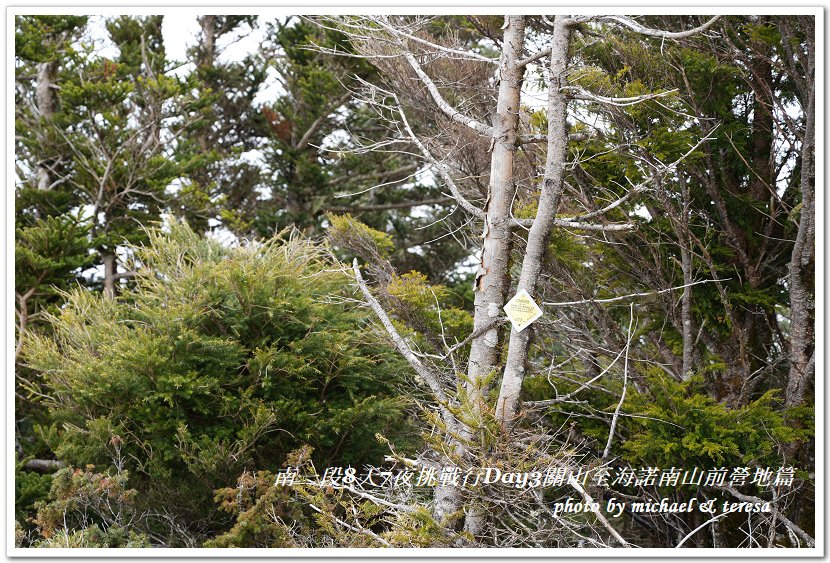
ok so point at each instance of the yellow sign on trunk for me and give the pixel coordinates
(522, 310)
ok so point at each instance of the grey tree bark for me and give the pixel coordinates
(492, 280)
(493, 277)
(110, 270)
(514, 369)
(47, 104)
(802, 301)
(686, 299)
(206, 59)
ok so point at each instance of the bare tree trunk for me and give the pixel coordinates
(492, 281)
(47, 103)
(514, 370)
(686, 300)
(205, 60)
(109, 275)
(22, 322)
(802, 299)
(208, 52)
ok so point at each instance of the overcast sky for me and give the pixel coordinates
(180, 32)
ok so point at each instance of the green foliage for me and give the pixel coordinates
(222, 359)
(103, 148)
(425, 308)
(731, 222)
(44, 38)
(313, 164)
(49, 252)
(29, 488)
(94, 537)
(417, 529)
(88, 509)
(305, 515)
(259, 509)
(679, 424)
(221, 123)
(369, 244)
(217, 360)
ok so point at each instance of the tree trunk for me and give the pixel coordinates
(802, 261)
(23, 321)
(492, 280)
(205, 60)
(686, 300)
(109, 275)
(208, 51)
(514, 370)
(47, 103)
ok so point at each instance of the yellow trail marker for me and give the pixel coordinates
(522, 310)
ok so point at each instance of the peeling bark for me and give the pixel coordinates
(492, 281)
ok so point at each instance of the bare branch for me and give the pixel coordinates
(476, 333)
(303, 142)
(563, 398)
(632, 24)
(598, 513)
(660, 172)
(629, 296)
(580, 93)
(382, 21)
(426, 374)
(348, 526)
(572, 224)
(533, 58)
(442, 169)
(696, 530)
(388, 206)
(43, 465)
(593, 226)
(367, 496)
(607, 451)
(543, 138)
(450, 111)
(787, 522)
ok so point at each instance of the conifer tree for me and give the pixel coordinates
(220, 360)
(220, 180)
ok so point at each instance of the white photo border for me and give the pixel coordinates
(485, 7)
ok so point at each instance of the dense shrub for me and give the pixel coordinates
(222, 360)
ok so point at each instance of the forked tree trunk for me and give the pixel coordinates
(537, 238)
